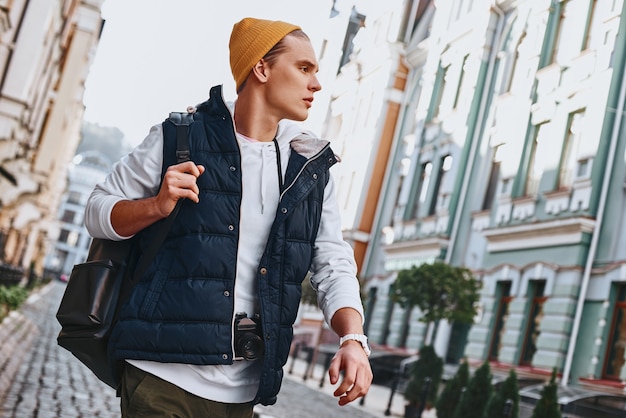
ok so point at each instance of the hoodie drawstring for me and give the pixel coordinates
(262, 178)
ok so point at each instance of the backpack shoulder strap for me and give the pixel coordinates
(182, 121)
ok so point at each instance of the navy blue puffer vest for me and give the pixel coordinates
(182, 309)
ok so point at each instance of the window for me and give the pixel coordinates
(68, 216)
(569, 154)
(421, 187)
(438, 92)
(68, 237)
(440, 200)
(583, 168)
(616, 5)
(356, 22)
(459, 9)
(506, 186)
(540, 156)
(589, 24)
(74, 197)
(535, 315)
(508, 56)
(72, 238)
(570, 39)
(502, 313)
(406, 326)
(494, 176)
(459, 89)
(371, 303)
(63, 235)
(616, 349)
(388, 315)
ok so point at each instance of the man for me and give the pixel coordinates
(260, 211)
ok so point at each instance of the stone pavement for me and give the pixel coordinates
(40, 379)
(48, 382)
(305, 399)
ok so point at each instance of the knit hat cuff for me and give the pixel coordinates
(250, 40)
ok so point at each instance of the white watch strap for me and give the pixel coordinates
(362, 338)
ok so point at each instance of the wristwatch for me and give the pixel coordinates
(357, 337)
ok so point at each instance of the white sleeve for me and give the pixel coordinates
(334, 269)
(135, 176)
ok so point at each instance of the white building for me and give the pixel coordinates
(46, 49)
(71, 239)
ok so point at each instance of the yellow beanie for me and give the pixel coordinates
(250, 40)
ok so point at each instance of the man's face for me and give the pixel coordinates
(292, 80)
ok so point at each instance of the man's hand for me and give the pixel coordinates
(357, 373)
(179, 182)
(131, 216)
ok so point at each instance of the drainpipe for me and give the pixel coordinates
(443, 335)
(617, 125)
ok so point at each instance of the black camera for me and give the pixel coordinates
(248, 337)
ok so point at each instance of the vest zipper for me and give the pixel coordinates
(315, 157)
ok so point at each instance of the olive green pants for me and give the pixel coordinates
(145, 395)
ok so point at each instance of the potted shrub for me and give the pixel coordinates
(508, 392)
(548, 405)
(475, 397)
(449, 398)
(424, 378)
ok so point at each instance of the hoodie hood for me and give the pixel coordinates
(302, 141)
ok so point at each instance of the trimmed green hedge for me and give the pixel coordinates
(11, 298)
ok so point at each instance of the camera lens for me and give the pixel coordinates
(250, 346)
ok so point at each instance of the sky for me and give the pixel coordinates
(158, 56)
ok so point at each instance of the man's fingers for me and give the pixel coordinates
(357, 374)
(179, 182)
(333, 371)
(349, 377)
(354, 391)
(188, 167)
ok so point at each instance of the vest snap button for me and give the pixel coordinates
(231, 228)
(263, 270)
(284, 210)
(232, 168)
(226, 293)
(225, 356)
(315, 176)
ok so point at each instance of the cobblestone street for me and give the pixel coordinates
(39, 379)
(50, 382)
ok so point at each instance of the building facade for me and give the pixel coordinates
(364, 106)
(69, 235)
(509, 160)
(46, 48)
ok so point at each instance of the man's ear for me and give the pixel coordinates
(260, 71)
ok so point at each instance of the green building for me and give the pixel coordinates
(509, 159)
